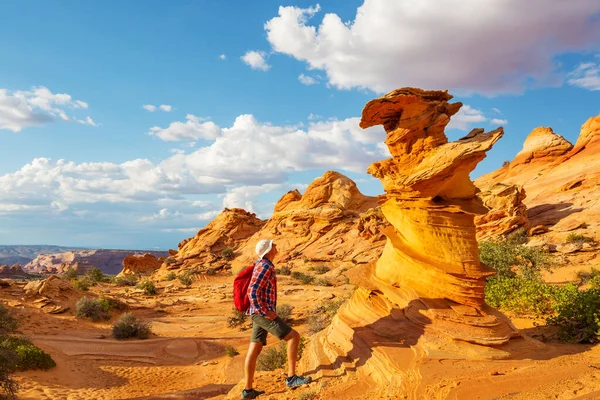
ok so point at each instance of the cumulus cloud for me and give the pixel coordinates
(256, 60)
(307, 80)
(432, 44)
(586, 75)
(87, 121)
(497, 121)
(38, 106)
(162, 107)
(149, 107)
(223, 57)
(166, 107)
(465, 118)
(244, 196)
(193, 129)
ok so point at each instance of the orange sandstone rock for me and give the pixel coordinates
(140, 264)
(506, 214)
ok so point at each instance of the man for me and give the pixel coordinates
(262, 293)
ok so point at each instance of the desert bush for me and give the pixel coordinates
(586, 276)
(579, 239)
(238, 319)
(107, 304)
(96, 275)
(284, 311)
(83, 283)
(595, 282)
(8, 386)
(128, 326)
(170, 276)
(147, 286)
(309, 394)
(578, 317)
(296, 254)
(90, 308)
(29, 356)
(285, 270)
(227, 253)
(8, 323)
(505, 163)
(231, 351)
(211, 271)
(186, 279)
(302, 277)
(321, 269)
(125, 280)
(510, 257)
(322, 315)
(272, 358)
(322, 282)
(70, 273)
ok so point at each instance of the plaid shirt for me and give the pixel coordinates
(262, 290)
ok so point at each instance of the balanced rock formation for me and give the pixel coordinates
(108, 261)
(506, 214)
(425, 295)
(562, 183)
(229, 230)
(332, 223)
(140, 264)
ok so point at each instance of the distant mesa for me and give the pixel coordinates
(12, 271)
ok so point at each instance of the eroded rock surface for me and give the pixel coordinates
(141, 264)
(53, 295)
(506, 214)
(12, 271)
(425, 294)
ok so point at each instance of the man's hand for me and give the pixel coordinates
(270, 315)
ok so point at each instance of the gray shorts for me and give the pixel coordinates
(262, 325)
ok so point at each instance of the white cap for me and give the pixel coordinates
(263, 247)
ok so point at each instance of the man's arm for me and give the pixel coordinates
(258, 282)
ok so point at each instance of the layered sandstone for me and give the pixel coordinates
(141, 264)
(229, 230)
(506, 214)
(12, 271)
(425, 294)
(52, 295)
(108, 261)
(561, 185)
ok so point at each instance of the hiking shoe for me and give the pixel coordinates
(295, 381)
(251, 393)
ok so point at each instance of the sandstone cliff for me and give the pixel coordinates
(141, 264)
(561, 181)
(109, 261)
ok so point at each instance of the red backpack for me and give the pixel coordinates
(240, 289)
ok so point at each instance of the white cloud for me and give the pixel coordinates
(166, 107)
(586, 75)
(162, 107)
(149, 107)
(256, 60)
(511, 44)
(497, 111)
(87, 121)
(193, 129)
(223, 57)
(243, 196)
(39, 106)
(307, 80)
(497, 121)
(465, 118)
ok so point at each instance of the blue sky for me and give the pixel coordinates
(257, 98)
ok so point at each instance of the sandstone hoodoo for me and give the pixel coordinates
(425, 294)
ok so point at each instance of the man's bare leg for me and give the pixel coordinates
(293, 341)
(250, 364)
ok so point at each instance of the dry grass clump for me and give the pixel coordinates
(128, 326)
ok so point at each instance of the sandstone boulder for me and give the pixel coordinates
(506, 214)
(140, 264)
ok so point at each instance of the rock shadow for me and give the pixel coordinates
(550, 214)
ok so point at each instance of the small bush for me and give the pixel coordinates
(595, 282)
(28, 355)
(285, 270)
(90, 308)
(70, 273)
(96, 275)
(322, 282)
(303, 278)
(578, 317)
(272, 358)
(309, 394)
(579, 239)
(321, 269)
(170, 276)
(237, 319)
(322, 315)
(505, 164)
(8, 387)
(586, 276)
(8, 323)
(107, 304)
(211, 271)
(186, 279)
(148, 287)
(83, 283)
(231, 351)
(284, 311)
(296, 254)
(128, 326)
(125, 280)
(227, 253)
(509, 257)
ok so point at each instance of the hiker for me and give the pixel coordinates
(262, 293)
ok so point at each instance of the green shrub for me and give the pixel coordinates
(322, 282)
(91, 309)
(231, 351)
(148, 287)
(595, 282)
(586, 276)
(170, 276)
(107, 304)
(125, 280)
(321, 269)
(69, 274)
(285, 270)
(96, 275)
(211, 271)
(227, 253)
(238, 319)
(272, 358)
(284, 311)
(186, 279)
(322, 314)
(578, 317)
(8, 387)
(303, 278)
(128, 326)
(509, 257)
(29, 356)
(8, 323)
(579, 239)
